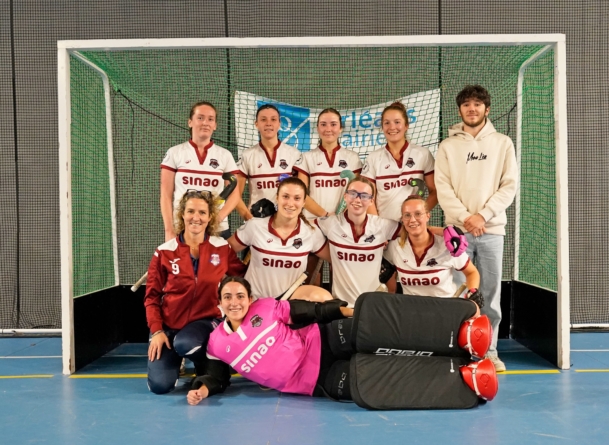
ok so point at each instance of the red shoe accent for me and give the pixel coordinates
(475, 335)
(481, 378)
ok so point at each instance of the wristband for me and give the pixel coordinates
(156, 333)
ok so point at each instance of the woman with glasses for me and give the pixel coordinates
(320, 170)
(197, 164)
(181, 292)
(357, 240)
(424, 265)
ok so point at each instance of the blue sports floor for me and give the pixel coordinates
(108, 403)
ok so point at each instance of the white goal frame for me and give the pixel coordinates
(555, 42)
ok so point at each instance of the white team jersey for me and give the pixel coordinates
(356, 260)
(430, 275)
(391, 176)
(326, 187)
(198, 172)
(275, 263)
(263, 171)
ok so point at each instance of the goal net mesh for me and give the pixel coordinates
(151, 95)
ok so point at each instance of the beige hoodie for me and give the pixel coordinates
(476, 175)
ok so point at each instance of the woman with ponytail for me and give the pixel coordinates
(320, 168)
(392, 167)
(280, 245)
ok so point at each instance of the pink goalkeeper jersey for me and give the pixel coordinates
(265, 350)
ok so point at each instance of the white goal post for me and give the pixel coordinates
(70, 49)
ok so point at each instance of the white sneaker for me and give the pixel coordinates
(499, 365)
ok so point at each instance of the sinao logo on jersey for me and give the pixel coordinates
(420, 281)
(269, 184)
(285, 264)
(360, 257)
(398, 183)
(331, 182)
(201, 182)
(257, 355)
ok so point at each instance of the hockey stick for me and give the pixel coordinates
(139, 282)
(288, 293)
(418, 185)
(342, 205)
(315, 272)
(228, 189)
(460, 290)
(224, 194)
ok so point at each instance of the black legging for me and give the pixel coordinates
(336, 351)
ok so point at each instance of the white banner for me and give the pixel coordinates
(362, 126)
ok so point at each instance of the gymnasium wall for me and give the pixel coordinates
(29, 30)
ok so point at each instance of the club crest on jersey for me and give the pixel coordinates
(283, 164)
(215, 259)
(213, 163)
(432, 262)
(256, 321)
(409, 162)
(369, 239)
(342, 163)
(297, 243)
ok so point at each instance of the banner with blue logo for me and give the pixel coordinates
(362, 126)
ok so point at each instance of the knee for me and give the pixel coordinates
(311, 293)
(161, 383)
(185, 345)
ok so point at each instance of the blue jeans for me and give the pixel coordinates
(190, 342)
(486, 252)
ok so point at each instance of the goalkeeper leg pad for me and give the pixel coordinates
(475, 335)
(392, 324)
(481, 378)
(394, 382)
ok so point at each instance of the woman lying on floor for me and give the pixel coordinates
(397, 352)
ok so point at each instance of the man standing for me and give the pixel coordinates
(476, 179)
